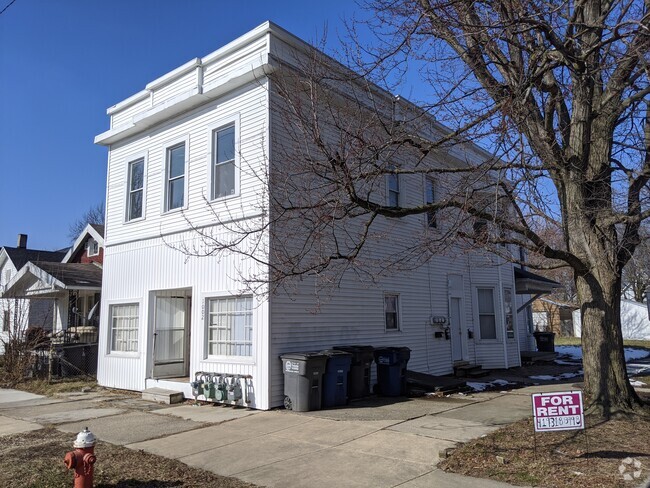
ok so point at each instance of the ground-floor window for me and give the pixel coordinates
(509, 315)
(124, 321)
(6, 321)
(486, 313)
(230, 326)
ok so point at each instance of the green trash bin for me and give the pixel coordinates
(303, 380)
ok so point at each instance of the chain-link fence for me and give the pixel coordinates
(65, 360)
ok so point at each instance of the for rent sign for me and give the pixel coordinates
(558, 411)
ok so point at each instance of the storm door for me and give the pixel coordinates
(171, 335)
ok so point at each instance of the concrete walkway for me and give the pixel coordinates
(375, 442)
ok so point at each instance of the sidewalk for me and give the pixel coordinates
(375, 442)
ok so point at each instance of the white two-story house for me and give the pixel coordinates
(189, 159)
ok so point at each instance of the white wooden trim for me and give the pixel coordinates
(185, 139)
(144, 155)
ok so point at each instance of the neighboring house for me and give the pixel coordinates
(634, 321)
(167, 314)
(550, 315)
(17, 314)
(70, 285)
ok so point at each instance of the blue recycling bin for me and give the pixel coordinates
(335, 379)
(391, 370)
(359, 375)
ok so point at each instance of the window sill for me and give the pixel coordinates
(174, 211)
(392, 331)
(227, 197)
(139, 219)
(123, 355)
(249, 361)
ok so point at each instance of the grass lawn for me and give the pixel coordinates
(117, 467)
(575, 341)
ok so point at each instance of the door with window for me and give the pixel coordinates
(171, 335)
(456, 323)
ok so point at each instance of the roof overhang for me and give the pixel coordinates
(527, 283)
(33, 282)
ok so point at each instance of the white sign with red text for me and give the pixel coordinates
(558, 411)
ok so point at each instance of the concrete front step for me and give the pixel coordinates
(469, 371)
(160, 395)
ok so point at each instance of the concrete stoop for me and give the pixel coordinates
(160, 395)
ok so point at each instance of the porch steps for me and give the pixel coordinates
(160, 395)
(429, 383)
(531, 357)
(462, 369)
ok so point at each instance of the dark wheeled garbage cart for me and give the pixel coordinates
(545, 341)
(303, 380)
(391, 370)
(335, 380)
(359, 375)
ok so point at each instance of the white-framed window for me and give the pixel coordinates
(175, 176)
(487, 319)
(429, 198)
(391, 312)
(92, 247)
(392, 185)
(7, 276)
(508, 312)
(230, 326)
(124, 319)
(223, 162)
(135, 194)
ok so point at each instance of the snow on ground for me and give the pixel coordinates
(637, 383)
(636, 369)
(563, 376)
(480, 386)
(575, 352)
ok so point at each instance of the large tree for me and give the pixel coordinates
(557, 91)
(562, 88)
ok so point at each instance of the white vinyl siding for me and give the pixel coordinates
(230, 326)
(135, 198)
(486, 313)
(124, 327)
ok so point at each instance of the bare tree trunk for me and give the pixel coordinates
(607, 389)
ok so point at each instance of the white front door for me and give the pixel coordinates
(170, 333)
(456, 328)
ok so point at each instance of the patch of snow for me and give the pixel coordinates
(634, 353)
(575, 352)
(637, 383)
(563, 376)
(481, 386)
(635, 369)
(570, 363)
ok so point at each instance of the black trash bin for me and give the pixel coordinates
(359, 375)
(335, 380)
(303, 380)
(391, 370)
(545, 341)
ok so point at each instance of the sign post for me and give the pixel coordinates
(558, 411)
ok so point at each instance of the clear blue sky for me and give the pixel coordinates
(64, 62)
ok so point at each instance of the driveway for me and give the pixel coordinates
(375, 442)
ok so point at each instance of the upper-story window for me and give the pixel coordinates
(93, 247)
(393, 189)
(135, 200)
(175, 177)
(224, 182)
(429, 198)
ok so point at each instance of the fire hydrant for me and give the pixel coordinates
(82, 459)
